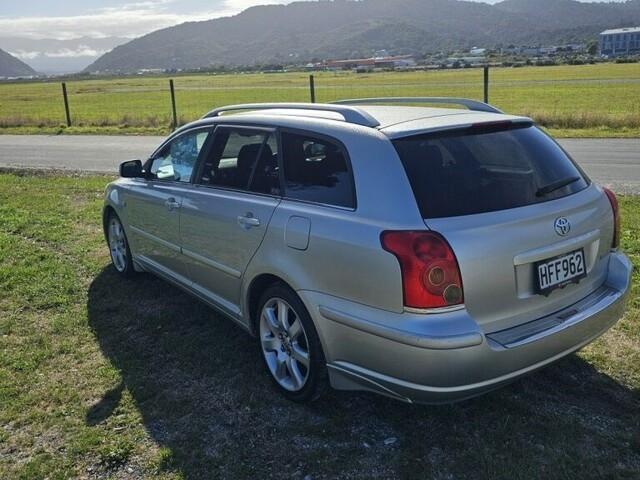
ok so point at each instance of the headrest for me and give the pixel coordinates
(247, 156)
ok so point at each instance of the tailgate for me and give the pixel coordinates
(498, 253)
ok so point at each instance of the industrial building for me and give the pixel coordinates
(620, 42)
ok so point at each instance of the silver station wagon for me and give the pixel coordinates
(425, 253)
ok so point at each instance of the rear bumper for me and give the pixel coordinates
(446, 358)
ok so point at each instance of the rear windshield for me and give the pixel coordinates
(479, 170)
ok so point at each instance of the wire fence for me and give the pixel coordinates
(591, 96)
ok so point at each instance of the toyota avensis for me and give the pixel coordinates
(427, 254)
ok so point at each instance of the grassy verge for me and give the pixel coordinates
(106, 378)
(64, 130)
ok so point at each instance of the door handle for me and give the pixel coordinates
(248, 221)
(171, 204)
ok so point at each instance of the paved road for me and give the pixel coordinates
(611, 162)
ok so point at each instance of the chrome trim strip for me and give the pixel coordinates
(431, 342)
(212, 263)
(556, 249)
(153, 238)
(434, 311)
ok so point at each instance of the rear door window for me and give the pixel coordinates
(317, 170)
(480, 170)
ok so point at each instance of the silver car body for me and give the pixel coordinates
(191, 236)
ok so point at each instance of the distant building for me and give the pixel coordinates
(401, 61)
(620, 42)
(478, 52)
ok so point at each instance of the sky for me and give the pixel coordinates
(69, 19)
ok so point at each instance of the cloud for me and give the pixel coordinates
(81, 51)
(129, 20)
(25, 55)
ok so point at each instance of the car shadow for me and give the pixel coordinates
(200, 387)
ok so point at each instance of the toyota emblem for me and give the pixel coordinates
(562, 226)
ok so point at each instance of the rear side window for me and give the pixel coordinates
(243, 159)
(316, 170)
(485, 170)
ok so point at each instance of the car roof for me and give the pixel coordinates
(392, 120)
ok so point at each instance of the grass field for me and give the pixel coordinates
(590, 100)
(106, 378)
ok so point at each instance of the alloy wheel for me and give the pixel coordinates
(285, 345)
(117, 244)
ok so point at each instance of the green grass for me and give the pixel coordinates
(594, 100)
(108, 378)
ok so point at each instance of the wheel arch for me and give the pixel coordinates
(107, 211)
(256, 287)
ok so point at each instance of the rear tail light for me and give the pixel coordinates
(430, 272)
(616, 217)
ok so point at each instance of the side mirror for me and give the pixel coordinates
(131, 169)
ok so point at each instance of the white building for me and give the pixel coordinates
(620, 41)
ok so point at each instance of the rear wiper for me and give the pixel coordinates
(552, 187)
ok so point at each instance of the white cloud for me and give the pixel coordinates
(130, 20)
(25, 55)
(81, 51)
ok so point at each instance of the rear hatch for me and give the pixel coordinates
(532, 235)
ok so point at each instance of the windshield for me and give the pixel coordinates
(479, 170)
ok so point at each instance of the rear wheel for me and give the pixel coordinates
(290, 345)
(119, 246)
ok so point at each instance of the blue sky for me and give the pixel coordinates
(126, 18)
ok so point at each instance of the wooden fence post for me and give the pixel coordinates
(312, 88)
(173, 104)
(66, 104)
(486, 84)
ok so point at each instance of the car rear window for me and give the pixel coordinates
(486, 168)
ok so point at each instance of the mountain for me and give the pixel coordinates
(302, 31)
(10, 66)
(55, 56)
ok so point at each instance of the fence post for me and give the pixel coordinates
(66, 103)
(173, 104)
(486, 84)
(312, 88)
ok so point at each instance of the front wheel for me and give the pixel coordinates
(290, 345)
(119, 246)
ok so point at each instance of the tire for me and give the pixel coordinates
(289, 345)
(119, 246)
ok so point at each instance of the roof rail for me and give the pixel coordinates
(351, 114)
(470, 104)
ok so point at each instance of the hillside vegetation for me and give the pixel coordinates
(304, 31)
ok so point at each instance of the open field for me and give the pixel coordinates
(590, 100)
(106, 378)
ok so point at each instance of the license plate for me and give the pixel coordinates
(560, 271)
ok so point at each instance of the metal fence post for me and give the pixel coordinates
(66, 104)
(486, 84)
(173, 105)
(312, 88)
